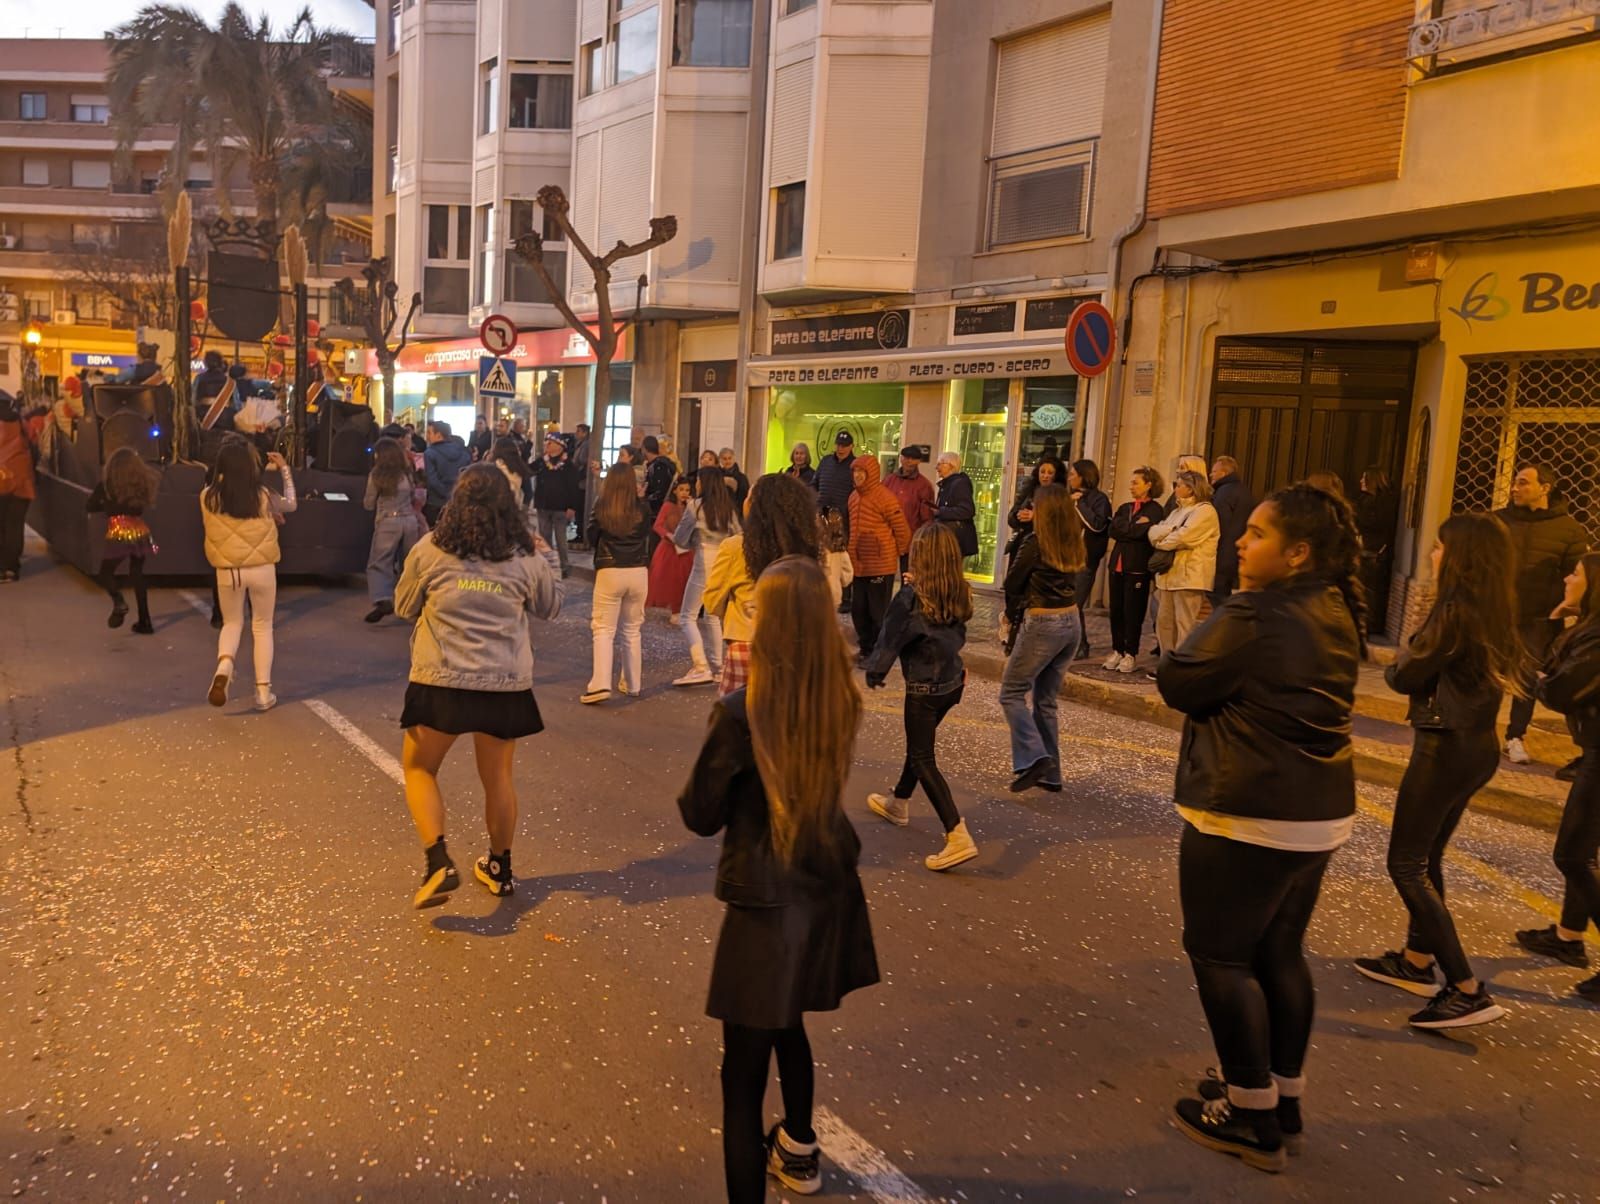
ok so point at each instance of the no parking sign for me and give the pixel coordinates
(1091, 338)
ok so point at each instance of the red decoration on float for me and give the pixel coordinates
(197, 311)
(313, 328)
(274, 369)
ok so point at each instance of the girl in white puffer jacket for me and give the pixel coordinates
(241, 523)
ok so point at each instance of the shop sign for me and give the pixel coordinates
(881, 330)
(1542, 293)
(917, 368)
(1049, 313)
(998, 317)
(533, 349)
(1050, 417)
(708, 376)
(96, 359)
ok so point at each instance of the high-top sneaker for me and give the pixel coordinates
(439, 878)
(795, 1164)
(494, 871)
(958, 847)
(1249, 1134)
(1290, 1122)
(896, 811)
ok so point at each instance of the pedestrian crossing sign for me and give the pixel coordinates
(496, 377)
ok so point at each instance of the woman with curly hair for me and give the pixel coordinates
(780, 520)
(126, 490)
(1456, 669)
(473, 584)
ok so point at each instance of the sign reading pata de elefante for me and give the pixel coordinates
(880, 330)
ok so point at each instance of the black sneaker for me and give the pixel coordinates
(439, 879)
(1290, 1124)
(143, 627)
(1454, 1008)
(1248, 1134)
(1394, 969)
(494, 871)
(1030, 777)
(1546, 942)
(1589, 988)
(1569, 771)
(379, 612)
(797, 1165)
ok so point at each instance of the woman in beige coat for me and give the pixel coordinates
(1190, 534)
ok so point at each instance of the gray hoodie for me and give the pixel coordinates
(473, 616)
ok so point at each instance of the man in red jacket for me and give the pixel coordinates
(912, 490)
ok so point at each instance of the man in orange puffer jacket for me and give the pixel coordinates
(879, 536)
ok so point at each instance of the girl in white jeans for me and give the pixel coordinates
(620, 536)
(707, 520)
(241, 527)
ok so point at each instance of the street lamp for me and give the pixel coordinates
(32, 337)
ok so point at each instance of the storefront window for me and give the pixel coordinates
(1049, 423)
(977, 426)
(617, 420)
(815, 414)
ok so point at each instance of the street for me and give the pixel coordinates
(215, 986)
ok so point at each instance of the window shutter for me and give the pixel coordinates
(585, 206)
(1051, 86)
(791, 123)
(592, 20)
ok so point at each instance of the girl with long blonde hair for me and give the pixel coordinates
(925, 630)
(796, 937)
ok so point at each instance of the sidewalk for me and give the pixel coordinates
(1526, 794)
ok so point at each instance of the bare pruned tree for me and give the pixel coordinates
(137, 281)
(606, 332)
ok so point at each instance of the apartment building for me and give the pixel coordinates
(77, 228)
(1383, 253)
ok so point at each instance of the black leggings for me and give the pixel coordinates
(868, 604)
(1245, 911)
(1578, 843)
(1130, 601)
(746, 1053)
(108, 582)
(923, 714)
(1536, 637)
(1447, 768)
(1082, 587)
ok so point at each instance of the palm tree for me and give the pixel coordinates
(241, 92)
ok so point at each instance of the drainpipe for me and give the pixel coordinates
(754, 211)
(1107, 443)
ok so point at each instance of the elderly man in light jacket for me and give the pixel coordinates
(1190, 533)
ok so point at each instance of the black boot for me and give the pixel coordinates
(439, 878)
(1250, 1134)
(1290, 1123)
(119, 610)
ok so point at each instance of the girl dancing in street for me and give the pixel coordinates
(126, 490)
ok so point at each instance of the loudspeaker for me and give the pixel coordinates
(127, 417)
(345, 433)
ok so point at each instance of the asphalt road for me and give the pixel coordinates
(214, 986)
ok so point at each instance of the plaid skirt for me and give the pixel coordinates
(735, 667)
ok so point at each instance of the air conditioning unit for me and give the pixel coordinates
(64, 317)
(8, 242)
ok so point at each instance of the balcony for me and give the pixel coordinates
(1467, 36)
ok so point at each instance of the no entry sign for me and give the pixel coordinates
(1091, 338)
(498, 334)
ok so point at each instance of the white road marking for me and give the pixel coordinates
(364, 744)
(203, 605)
(865, 1162)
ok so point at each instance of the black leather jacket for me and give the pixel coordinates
(1268, 683)
(724, 793)
(630, 551)
(1447, 690)
(929, 653)
(1571, 683)
(1030, 582)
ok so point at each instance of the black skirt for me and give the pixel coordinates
(775, 963)
(503, 714)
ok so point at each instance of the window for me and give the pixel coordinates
(31, 106)
(591, 64)
(540, 100)
(394, 27)
(522, 282)
(711, 33)
(790, 7)
(198, 178)
(5, 361)
(636, 39)
(91, 235)
(91, 173)
(446, 282)
(788, 220)
(488, 254)
(1049, 101)
(92, 110)
(36, 172)
(489, 122)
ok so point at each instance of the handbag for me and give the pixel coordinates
(1162, 560)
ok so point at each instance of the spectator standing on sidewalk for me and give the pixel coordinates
(586, 466)
(1548, 543)
(800, 465)
(1571, 684)
(1094, 512)
(1042, 611)
(795, 937)
(1048, 471)
(956, 505)
(1377, 515)
(1455, 669)
(1190, 534)
(1266, 788)
(879, 537)
(835, 479)
(1129, 577)
(738, 483)
(1231, 498)
(659, 473)
(555, 495)
(912, 490)
(619, 535)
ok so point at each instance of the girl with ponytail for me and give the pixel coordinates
(795, 937)
(1266, 787)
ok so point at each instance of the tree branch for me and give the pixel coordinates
(662, 230)
(530, 249)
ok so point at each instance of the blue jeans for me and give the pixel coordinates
(1044, 649)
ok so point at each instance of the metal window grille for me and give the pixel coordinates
(1531, 410)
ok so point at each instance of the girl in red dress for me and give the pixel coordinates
(671, 565)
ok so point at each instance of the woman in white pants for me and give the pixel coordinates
(241, 527)
(619, 533)
(1190, 534)
(708, 519)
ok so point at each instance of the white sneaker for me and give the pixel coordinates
(1112, 662)
(1516, 752)
(695, 677)
(590, 697)
(265, 698)
(1127, 664)
(885, 806)
(958, 847)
